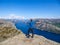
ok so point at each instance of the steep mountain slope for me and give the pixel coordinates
(47, 25)
(7, 30)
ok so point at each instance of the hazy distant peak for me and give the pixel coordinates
(12, 16)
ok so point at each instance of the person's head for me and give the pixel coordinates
(31, 20)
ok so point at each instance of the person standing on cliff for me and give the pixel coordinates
(30, 30)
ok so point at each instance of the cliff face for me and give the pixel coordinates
(7, 30)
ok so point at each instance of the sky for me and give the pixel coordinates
(30, 8)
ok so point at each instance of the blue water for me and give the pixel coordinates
(24, 28)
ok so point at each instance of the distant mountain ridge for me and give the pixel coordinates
(12, 16)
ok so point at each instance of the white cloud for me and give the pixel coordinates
(12, 16)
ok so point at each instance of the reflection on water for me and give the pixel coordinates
(52, 36)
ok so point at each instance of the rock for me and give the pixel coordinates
(22, 40)
(7, 30)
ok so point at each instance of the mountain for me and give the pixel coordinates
(12, 16)
(50, 25)
(7, 30)
(9, 35)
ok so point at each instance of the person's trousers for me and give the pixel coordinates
(30, 30)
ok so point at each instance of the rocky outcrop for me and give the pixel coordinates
(7, 30)
(22, 40)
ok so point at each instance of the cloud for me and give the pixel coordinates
(12, 16)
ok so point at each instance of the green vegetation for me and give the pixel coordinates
(57, 24)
